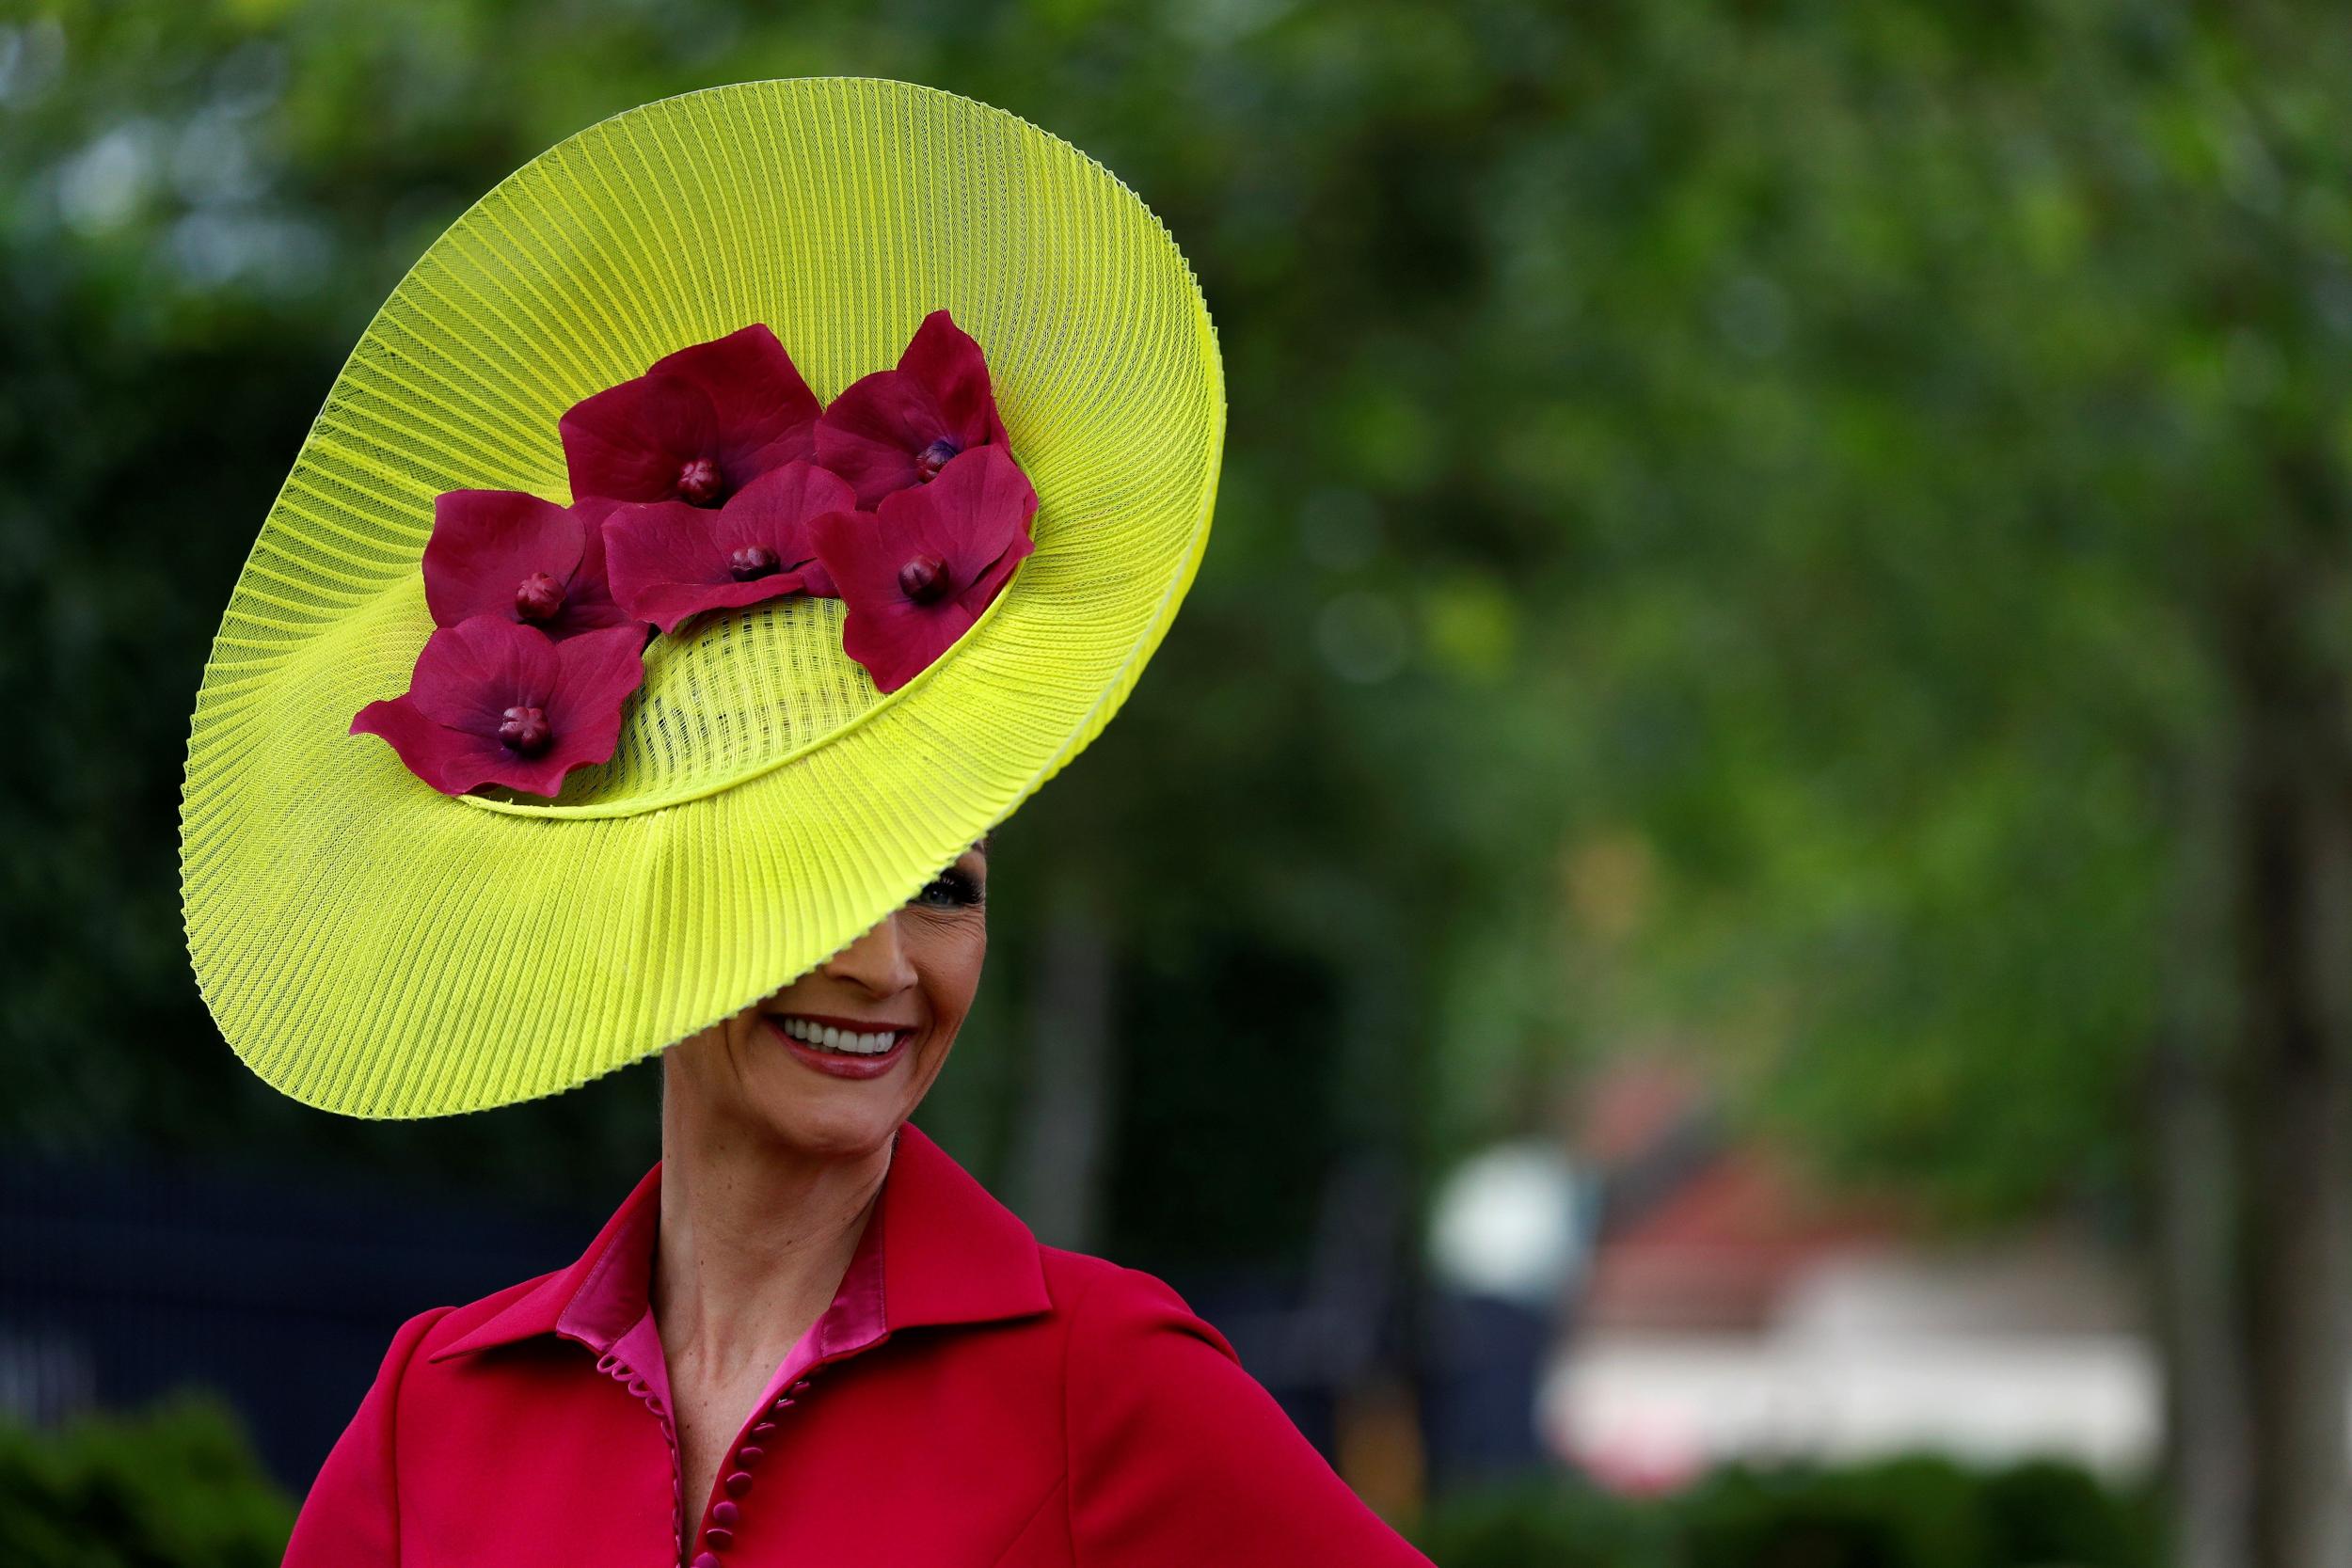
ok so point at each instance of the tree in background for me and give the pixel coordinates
(1963, 674)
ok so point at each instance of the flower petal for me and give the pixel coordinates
(946, 360)
(816, 581)
(451, 761)
(671, 561)
(596, 672)
(898, 641)
(993, 577)
(588, 602)
(862, 554)
(652, 550)
(764, 414)
(485, 542)
(872, 434)
(470, 673)
(669, 604)
(630, 442)
(776, 509)
(971, 514)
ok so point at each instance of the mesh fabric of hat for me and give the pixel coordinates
(371, 946)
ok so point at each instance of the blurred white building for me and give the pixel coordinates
(1731, 1313)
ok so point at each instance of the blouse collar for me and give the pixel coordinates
(954, 1255)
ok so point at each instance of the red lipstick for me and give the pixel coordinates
(834, 1062)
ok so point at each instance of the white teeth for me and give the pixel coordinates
(839, 1040)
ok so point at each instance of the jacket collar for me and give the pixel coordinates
(951, 1254)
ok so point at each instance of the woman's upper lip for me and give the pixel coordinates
(854, 1025)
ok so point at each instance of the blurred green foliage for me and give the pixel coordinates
(1913, 1512)
(174, 1486)
(1724, 513)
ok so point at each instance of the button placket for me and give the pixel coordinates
(622, 1373)
(727, 1514)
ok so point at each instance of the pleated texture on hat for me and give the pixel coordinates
(372, 947)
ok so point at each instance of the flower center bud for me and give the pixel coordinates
(538, 596)
(924, 578)
(752, 560)
(698, 482)
(934, 457)
(526, 731)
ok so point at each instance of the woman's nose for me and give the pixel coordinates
(876, 961)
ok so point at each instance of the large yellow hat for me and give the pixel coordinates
(372, 945)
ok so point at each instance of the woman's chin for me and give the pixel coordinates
(830, 1137)
(833, 1117)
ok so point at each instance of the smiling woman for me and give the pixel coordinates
(756, 519)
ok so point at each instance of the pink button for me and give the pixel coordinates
(705, 1559)
(739, 1483)
(750, 1454)
(763, 1428)
(780, 1407)
(725, 1512)
(801, 1386)
(719, 1537)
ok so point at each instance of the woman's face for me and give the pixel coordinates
(833, 1063)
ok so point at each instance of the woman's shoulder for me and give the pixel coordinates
(1132, 1346)
(1142, 1369)
(1160, 1413)
(1105, 1301)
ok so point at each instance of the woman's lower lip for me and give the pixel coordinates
(835, 1063)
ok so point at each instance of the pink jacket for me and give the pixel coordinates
(971, 1400)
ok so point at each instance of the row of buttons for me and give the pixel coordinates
(727, 1514)
(621, 1372)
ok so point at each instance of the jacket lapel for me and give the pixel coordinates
(538, 1309)
(951, 1254)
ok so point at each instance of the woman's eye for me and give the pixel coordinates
(952, 889)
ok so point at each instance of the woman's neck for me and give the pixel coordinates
(754, 1240)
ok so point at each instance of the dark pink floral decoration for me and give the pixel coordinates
(494, 702)
(916, 573)
(900, 427)
(697, 427)
(501, 552)
(712, 481)
(670, 561)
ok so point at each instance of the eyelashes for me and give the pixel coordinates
(952, 889)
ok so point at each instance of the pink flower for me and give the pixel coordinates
(899, 428)
(496, 702)
(917, 572)
(697, 427)
(670, 561)
(500, 552)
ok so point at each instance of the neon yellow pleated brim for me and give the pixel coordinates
(372, 947)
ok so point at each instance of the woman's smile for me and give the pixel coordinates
(877, 1019)
(845, 1048)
